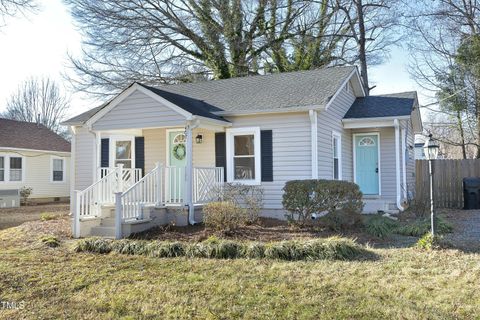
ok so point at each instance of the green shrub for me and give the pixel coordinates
(331, 248)
(342, 200)
(429, 242)
(379, 226)
(50, 241)
(223, 216)
(46, 216)
(420, 227)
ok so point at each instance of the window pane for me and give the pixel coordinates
(57, 164)
(57, 175)
(335, 169)
(244, 145)
(16, 175)
(123, 150)
(244, 168)
(15, 163)
(335, 147)
(2, 175)
(2, 163)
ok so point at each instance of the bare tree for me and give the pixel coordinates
(164, 41)
(38, 100)
(10, 8)
(440, 30)
(373, 29)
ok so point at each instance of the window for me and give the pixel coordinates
(15, 169)
(243, 155)
(123, 153)
(58, 167)
(2, 168)
(337, 155)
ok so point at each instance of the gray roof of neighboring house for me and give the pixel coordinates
(387, 105)
(29, 135)
(287, 91)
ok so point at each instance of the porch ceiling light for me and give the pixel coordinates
(431, 148)
(199, 138)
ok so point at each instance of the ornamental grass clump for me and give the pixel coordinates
(379, 226)
(213, 248)
(420, 227)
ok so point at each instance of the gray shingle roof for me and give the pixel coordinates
(388, 105)
(29, 135)
(274, 92)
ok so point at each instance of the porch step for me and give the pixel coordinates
(101, 231)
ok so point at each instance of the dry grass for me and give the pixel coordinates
(58, 283)
(13, 217)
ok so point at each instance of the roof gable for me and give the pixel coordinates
(29, 135)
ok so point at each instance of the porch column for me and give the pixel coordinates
(189, 172)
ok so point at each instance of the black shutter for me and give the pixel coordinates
(104, 163)
(221, 152)
(266, 142)
(140, 153)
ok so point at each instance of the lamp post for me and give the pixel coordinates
(431, 153)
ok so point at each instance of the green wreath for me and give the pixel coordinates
(179, 151)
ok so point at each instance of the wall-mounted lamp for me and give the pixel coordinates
(199, 138)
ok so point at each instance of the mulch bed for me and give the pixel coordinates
(267, 229)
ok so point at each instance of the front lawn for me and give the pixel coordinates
(400, 283)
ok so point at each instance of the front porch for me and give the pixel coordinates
(153, 174)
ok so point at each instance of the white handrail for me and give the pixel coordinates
(147, 191)
(88, 201)
(207, 182)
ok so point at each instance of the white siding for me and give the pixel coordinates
(155, 147)
(328, 121)
(37, 174)
(85, 151)
(291, 150)
(139, 111)
(410, 157)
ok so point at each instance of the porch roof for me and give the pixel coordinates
(389, 105)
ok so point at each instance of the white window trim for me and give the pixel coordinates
(113, 154)
(230, 134)
(338, 136)
(7, 157)
(64, 163)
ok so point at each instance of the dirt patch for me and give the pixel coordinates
(13, 217)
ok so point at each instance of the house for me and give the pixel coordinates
(161, 147)
(33, 156)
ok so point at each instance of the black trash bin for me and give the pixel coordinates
(471, 193)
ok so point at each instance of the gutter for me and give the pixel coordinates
(397, 164)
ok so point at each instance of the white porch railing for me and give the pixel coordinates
(88, 201)
(174, 185)
(130, 176)
(147, 191)
(206, 184)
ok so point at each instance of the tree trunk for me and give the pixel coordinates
(361, 46)
(462, 134)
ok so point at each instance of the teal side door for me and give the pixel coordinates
(177, 159)
(366, 163)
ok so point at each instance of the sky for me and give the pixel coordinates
(37, 45)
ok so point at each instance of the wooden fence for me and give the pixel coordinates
(447, 181)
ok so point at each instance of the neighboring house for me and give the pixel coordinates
(258, 130)
(33, 156)
(419, 151)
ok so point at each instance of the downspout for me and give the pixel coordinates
(404, 162)
(397, 164)
(314, 141)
